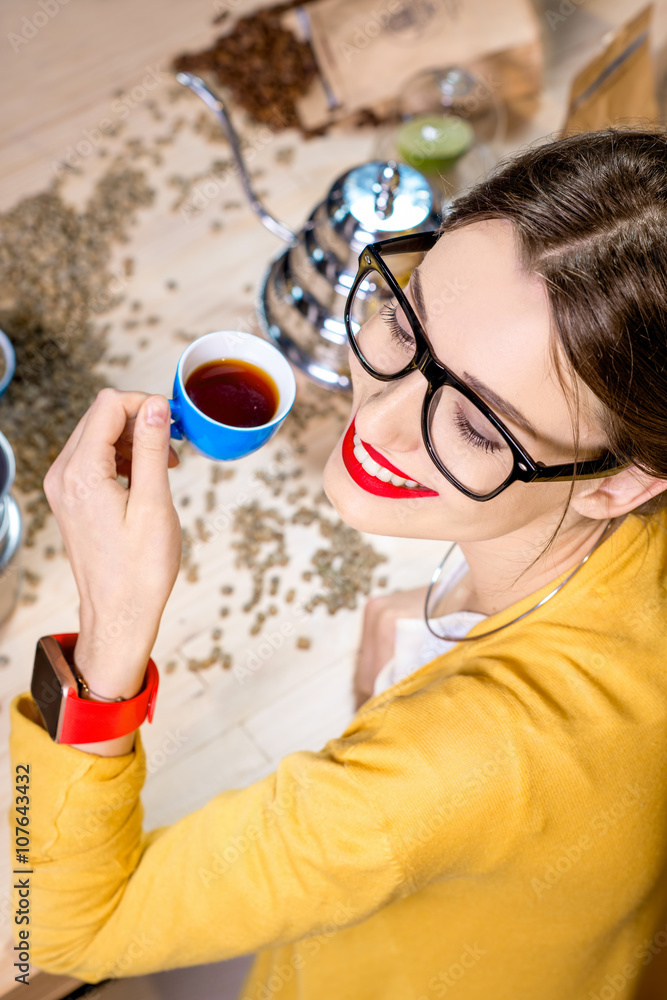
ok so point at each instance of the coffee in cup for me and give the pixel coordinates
(232, 391)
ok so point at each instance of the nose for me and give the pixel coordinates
(390, 417)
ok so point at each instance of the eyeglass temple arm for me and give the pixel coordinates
(583, 470)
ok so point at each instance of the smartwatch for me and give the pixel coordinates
(69, 718)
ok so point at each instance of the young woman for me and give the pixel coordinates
(493, 822)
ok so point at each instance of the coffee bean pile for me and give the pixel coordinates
(56, 279)
(345, 567)
(258, 527)
(264, 67)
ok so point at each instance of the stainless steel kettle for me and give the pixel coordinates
(303, 293)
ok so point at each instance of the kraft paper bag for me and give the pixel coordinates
(368, 50)
(618, 85)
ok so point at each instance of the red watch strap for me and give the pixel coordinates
(93, 721)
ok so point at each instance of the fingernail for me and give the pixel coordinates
(156, 412)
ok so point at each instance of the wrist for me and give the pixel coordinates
(111, 673)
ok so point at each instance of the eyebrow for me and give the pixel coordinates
(487, 394)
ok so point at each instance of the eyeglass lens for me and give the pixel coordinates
(465, 442)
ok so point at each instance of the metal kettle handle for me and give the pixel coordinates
(212, 101)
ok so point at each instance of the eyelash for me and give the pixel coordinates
(471, 435)
(467, 431)
(396, 329)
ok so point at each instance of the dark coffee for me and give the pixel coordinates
(233, 392)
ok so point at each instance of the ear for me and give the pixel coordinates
(612, 496)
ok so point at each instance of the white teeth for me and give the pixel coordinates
(373, 468)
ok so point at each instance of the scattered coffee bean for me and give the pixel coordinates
(56, 279)
(285, 155)
(220, 473)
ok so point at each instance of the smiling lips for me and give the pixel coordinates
(373, 473)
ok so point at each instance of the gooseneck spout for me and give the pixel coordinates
(212, 101)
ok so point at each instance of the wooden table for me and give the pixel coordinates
(211, 732)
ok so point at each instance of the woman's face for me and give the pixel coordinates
(487, 320)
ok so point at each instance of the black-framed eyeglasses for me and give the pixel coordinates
(465, 439)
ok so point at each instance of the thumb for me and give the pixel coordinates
(150, 453)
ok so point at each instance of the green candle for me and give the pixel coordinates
(434, 143)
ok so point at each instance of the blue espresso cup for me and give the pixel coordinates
(208, 436)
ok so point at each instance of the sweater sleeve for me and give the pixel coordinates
(326, 840)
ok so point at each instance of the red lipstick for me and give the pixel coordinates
(371, 483)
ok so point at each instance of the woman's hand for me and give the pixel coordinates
(123, 543)
(377, 637)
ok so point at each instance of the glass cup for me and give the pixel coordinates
(208, 436)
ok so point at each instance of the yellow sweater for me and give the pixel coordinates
(494, 825)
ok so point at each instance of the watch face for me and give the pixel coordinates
(49, 685)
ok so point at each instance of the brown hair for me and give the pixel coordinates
(590, 215)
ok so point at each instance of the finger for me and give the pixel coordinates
(150, 454)
(360, 697)
(106, 419)
(72, 441)
(75, 436)
(124, 450)
(367, 641)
